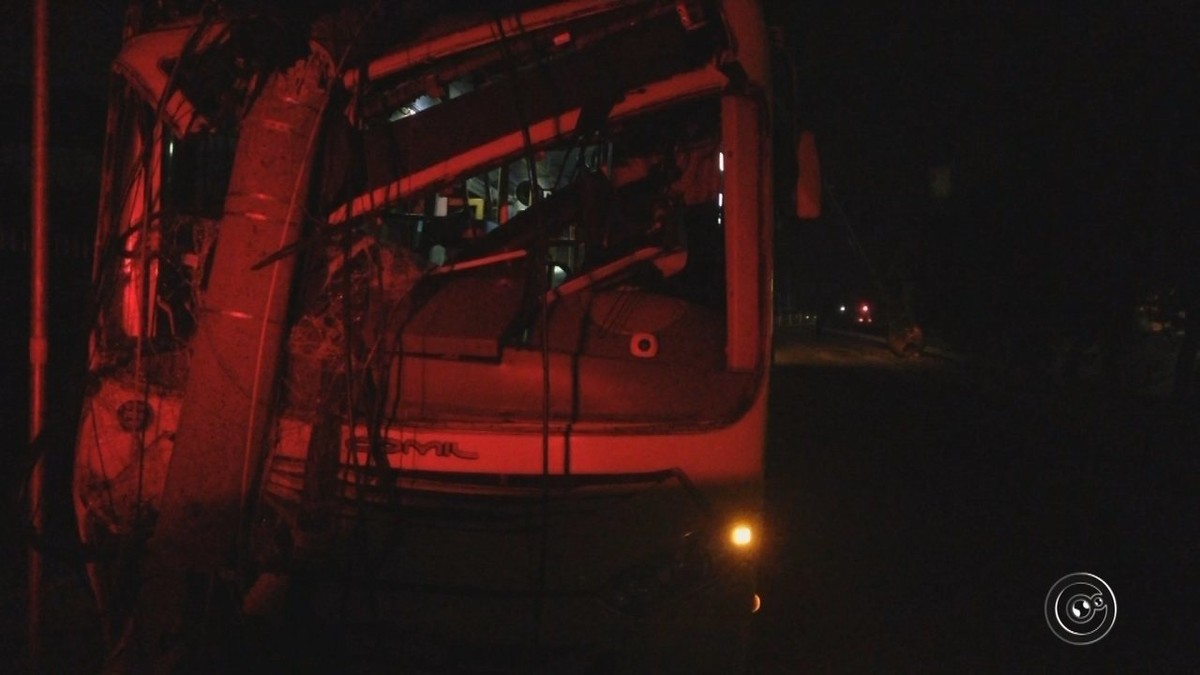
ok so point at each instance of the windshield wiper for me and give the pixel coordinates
(481, 261)
(603, 272)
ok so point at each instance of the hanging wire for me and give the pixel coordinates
(542, 261)
(852, 238)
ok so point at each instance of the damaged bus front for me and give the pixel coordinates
(452, 328)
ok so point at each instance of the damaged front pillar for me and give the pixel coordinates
(224, 420)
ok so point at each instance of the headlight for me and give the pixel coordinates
(741, 535)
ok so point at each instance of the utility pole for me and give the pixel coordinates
(38, 343)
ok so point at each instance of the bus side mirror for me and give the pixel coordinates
(808, 178)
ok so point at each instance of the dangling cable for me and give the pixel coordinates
(542, 264)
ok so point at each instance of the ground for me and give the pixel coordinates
(919, 523)
(916, 521)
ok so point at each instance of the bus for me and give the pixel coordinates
(442, 337)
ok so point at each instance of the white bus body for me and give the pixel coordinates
(453, 328)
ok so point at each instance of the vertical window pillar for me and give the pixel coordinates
(742, 143)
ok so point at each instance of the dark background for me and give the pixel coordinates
(1067, 133)
(1064, 131)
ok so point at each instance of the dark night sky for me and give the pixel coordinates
(1028, 85)
(1068, 131)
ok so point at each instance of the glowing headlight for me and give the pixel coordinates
(741, 535)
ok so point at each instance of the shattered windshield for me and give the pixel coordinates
(653, 183)
(611, 245)
(548, 204)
